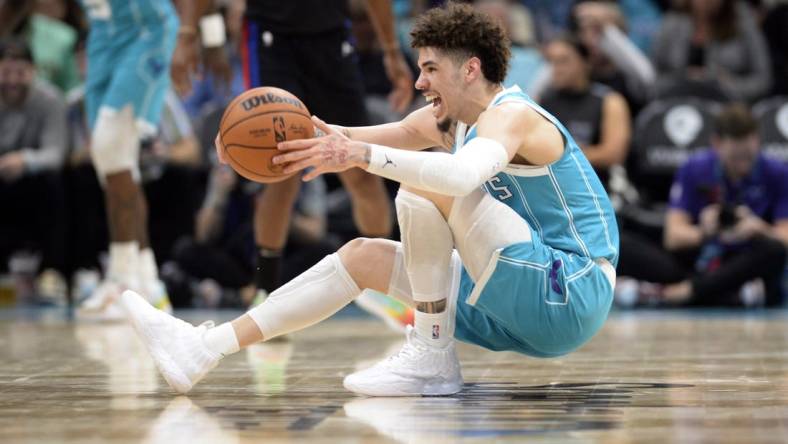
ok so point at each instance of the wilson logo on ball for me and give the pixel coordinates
(265, 99)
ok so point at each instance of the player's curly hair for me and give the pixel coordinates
(461, 31)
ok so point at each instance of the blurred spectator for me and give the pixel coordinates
(597, 116)
(644, 18)
(550, 16)
(615, 60)
(709, 46)
(32, 149)
(51, 41)
(729, 216)
(527, 67)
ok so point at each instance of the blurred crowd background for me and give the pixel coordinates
(680, 105)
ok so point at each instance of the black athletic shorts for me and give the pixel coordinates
(320, 69)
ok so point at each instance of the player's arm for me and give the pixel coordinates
(417, 131)
(680, 232)
(194, 23)
(397, 70)
(615, 134)
(453, 175)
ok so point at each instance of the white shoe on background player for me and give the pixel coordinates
(103, 305)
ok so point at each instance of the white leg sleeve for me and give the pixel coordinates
(115, 142)
(427, 243)
(308, 299)
(481, 225)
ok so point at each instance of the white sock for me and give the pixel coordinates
(433, 327)
(149, 272)
(222, 339)
(311, 297)
(427, 243)
(123, 262)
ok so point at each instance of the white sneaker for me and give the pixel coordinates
(176, 346)
(418, 369)
(103, 304)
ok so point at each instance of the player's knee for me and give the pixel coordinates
(365, 258)
(115, 142)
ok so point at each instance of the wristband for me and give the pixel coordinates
(212, 31)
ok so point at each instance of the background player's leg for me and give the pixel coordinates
(115, 144)
(273, 208)
(371, 207)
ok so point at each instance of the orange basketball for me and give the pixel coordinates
(252, 125)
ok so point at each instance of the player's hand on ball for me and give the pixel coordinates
(331, 153)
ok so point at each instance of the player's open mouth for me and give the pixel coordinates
(436, 103)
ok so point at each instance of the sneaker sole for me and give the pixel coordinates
(441, 388)
(164, 362)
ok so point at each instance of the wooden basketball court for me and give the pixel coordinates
(647, 377)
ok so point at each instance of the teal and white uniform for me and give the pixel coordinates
(129, 50)
(549, 296)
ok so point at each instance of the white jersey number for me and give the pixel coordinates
(503, 192)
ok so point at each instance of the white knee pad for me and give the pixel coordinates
(115, 143)
(481, 225)
(427, 242)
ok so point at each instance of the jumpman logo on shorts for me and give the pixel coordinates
(388, 161)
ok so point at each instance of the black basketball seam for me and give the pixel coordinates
(254, 147)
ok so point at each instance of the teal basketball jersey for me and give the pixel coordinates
(564, 202)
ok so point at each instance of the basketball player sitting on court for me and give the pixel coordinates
(535, 236)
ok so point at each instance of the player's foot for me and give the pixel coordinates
(418, 369)
(156, 293)
(176, 346)
(103, 304)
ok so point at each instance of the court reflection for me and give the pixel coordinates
(184, 422)
(501, 410)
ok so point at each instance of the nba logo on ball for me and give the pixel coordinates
(436, 331)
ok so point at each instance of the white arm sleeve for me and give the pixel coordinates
(443, 173)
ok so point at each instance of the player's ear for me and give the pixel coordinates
(472, 68)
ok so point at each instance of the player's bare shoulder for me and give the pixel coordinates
(538, 140)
